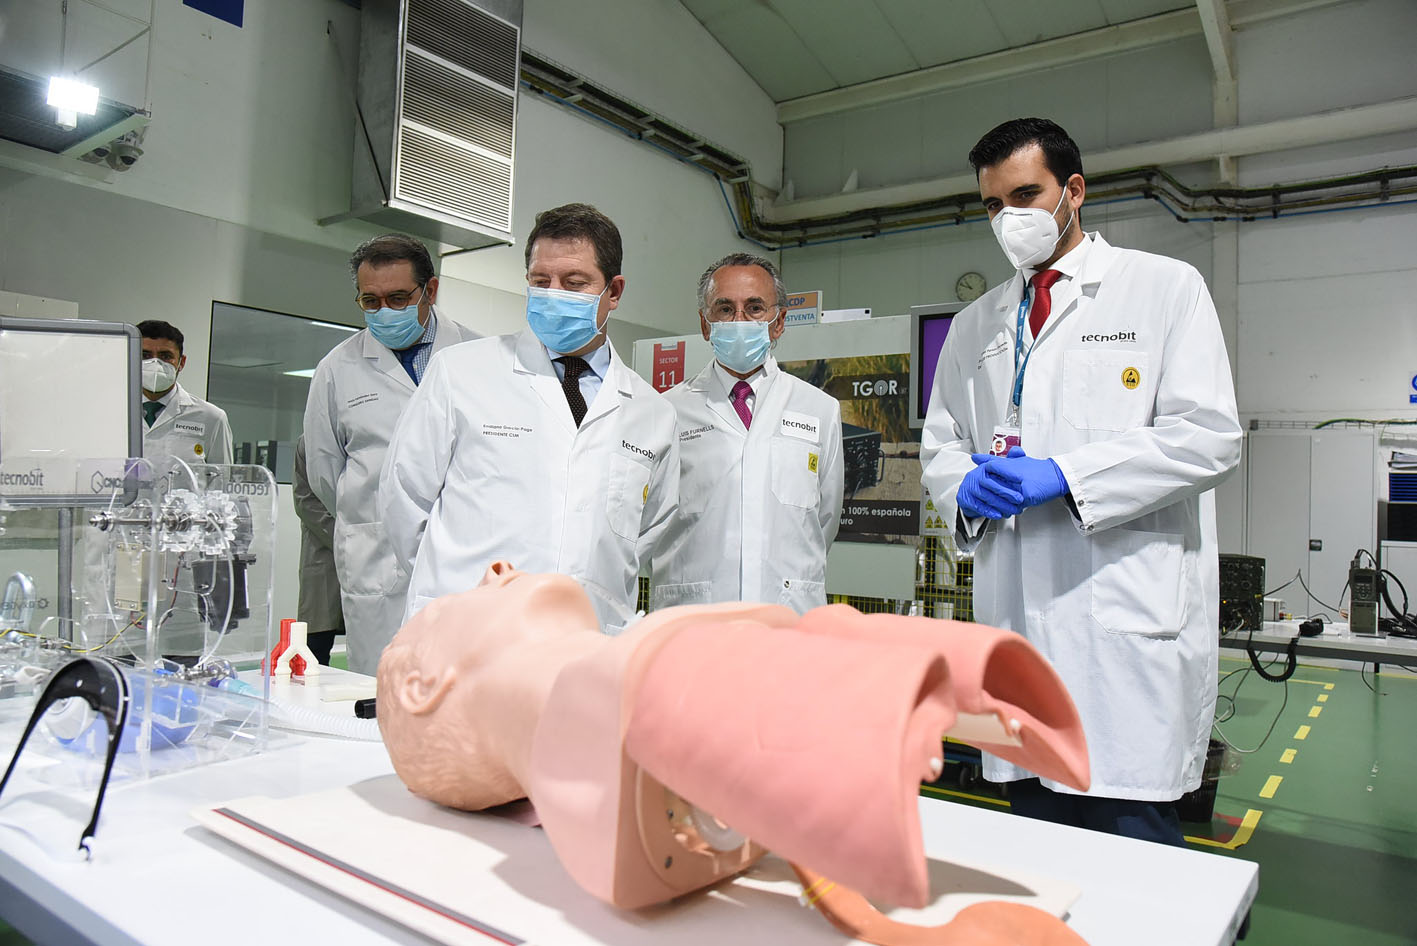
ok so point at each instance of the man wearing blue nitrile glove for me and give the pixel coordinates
(1097, 380)
(986, 497)
(1035, 481)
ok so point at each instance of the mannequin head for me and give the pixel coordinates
(444, 680)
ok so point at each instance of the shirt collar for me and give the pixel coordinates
(430, 331)
(166, 399)
(759, 380)
(598, 360)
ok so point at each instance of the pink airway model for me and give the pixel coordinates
(809, 735)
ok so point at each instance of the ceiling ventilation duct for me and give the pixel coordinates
(437, 99)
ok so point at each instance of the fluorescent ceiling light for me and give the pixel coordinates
(72, 98)
(342, 328)
(302, 373)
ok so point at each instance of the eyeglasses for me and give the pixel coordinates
(394, 300)
(752, 311)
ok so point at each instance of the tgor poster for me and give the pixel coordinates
(880, 451)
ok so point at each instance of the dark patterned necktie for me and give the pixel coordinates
(571, 384)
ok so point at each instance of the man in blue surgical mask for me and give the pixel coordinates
(760, 454)
(358, 391)
(541, 448)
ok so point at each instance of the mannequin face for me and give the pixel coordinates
(446, 679)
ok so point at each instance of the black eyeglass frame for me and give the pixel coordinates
(100, 683)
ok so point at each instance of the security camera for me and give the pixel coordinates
(122, 155)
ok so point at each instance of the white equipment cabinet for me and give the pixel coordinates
(1311, 504)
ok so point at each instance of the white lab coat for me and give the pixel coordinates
(1119, 586)
(758, 508)
(358, 392)
(190, 429)
(487, 464)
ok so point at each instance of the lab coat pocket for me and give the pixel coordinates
(1107, 389)
(687, 592)
(802, 595)
(628, 484)
(794, 472)
(1138, 582)
(364, 559)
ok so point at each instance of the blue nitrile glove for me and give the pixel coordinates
(1036, 481)
(980, 495)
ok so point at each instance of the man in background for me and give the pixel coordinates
(359, 390)
(177, 423)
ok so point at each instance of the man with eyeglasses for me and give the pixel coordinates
(760, 454)
(359, 390)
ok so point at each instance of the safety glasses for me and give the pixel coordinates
(98, 682)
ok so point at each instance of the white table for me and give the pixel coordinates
(159, 879)
(1336, 642)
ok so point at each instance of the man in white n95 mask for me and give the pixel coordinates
(177, 423)
(359, 390)
(760, 452)
(1081, 414)
(540, 448)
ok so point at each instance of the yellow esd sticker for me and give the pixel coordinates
(812, 462)
(1131, 377)
(197, 449)
(645, 497)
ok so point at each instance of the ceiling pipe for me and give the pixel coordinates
(1345, 124)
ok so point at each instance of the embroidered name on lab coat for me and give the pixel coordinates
(801, 426)
(512, 431)
(1000, 349)
(694, 433)
(189, 428)
(362, 399)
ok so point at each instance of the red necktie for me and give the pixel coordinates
(741, 392)
(1042, 300)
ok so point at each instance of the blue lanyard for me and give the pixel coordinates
(1018, 346)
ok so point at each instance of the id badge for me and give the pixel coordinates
(1005, 437)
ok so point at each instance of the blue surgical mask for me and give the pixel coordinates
(564, 321)
(740, 346)
(396, 328)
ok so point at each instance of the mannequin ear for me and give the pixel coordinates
(420, 694)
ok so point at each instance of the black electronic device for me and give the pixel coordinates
(1241, 592)
(1363, 594)
(1311, 628)
(863, 463)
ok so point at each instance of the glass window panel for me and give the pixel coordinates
(259, 372)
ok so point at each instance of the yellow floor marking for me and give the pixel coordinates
(943, 792)
(1314, 711)
(1328, 686)
(1301, 733)
(1288, 756)
(1323, 697)
(1317, 683)
(1271, 786)
(1242, 833)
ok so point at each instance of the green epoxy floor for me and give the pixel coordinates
(1337, 842)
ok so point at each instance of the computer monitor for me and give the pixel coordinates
(929, 324)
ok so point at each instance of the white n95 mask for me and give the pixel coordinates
(158, 375)
(1028, 235)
